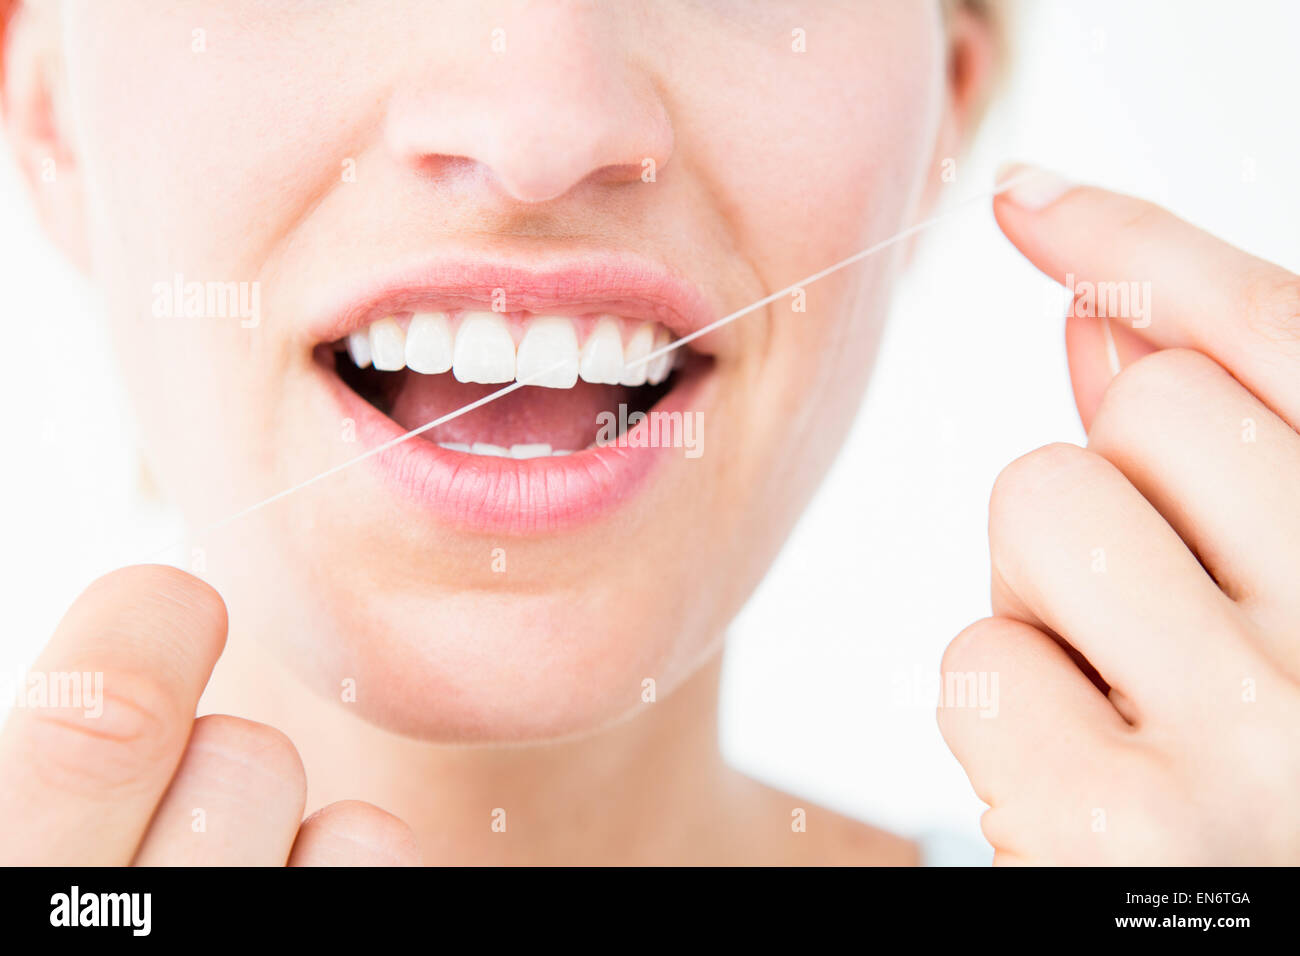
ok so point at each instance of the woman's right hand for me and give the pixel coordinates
(135, 778)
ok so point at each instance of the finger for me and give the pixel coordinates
(79, 783)
(1218, 465)
(1095, 563)
(1192, 439)
(1097, 350)
(1006, 603)
(1045, 715)
(352, 833)
(1174, 284)
(236, 799)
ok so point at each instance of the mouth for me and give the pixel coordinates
(584, 371)
(572, 441)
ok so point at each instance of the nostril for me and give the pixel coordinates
(647, 170)
(533, 136)
(439, 166)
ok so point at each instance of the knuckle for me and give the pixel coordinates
(250, 754)
(165, 582)
(1155, 380)
(386, 839)
(1273, 305)
(132, 735)
(976, 646)
(1165, 373)
(176, 596)
(357, 816)
(967, 661)
(1031, 476)
(346, 814)
(151, 616)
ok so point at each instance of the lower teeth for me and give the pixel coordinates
(535, 450)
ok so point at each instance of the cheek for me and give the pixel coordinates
(203, 151)
(821, 154)
(198, 159)
(202, 156)
(843, 139)
(822, 151)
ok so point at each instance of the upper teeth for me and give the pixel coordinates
(428, 343)
(482, 349)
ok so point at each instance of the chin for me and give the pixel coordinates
(534, 669)
(533, 568)
(514, 572)
(463, 667)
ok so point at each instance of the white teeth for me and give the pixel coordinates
(602, 354)
(537, 450)
(657, 368)
(428, 343)
(561, 451)
(548, 354)
(388, 345)
(484, 350)
(533, 450)
(638, 347)
(359, 349)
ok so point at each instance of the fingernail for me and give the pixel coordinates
(1032, 188)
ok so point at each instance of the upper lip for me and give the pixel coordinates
(627, 286)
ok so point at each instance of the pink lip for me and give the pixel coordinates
(533, 496)
(630, 287)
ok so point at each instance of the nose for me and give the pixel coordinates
(546, 101)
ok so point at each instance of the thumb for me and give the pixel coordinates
(1097, 348)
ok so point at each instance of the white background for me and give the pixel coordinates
(1189, 104)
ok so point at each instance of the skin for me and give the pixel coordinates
(547, 157)
(331, 585)
(1184, 747)
(530, 152)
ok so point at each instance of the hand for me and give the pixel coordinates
(134, 778)
(1146, 590)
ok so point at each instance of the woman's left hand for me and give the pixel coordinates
(1146, 589)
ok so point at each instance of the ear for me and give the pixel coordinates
(974, 53)
(32, 101)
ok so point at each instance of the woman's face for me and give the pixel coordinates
(517, 169)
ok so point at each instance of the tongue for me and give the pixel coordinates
(564, 418)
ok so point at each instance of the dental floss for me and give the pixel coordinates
(1112, 353)
(675, 344)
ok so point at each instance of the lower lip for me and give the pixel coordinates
(531, 496)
